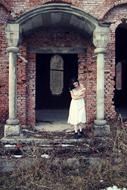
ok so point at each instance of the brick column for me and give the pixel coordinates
(100, 40)
(12, 124)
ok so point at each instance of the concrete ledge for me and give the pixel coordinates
(12, 122)
(100, 122)
(101, 130)
(11, 130)
(42, 142)
(10, 165)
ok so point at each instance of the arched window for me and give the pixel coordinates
(56, 75)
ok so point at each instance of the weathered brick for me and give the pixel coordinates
(104, 10)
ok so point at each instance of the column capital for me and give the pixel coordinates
(12, 34)
(101, 37)
(99, 50)
(13, 49)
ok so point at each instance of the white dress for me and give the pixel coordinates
(77, 112)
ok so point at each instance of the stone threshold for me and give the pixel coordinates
(46, 141)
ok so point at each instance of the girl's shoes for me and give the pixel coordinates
(76, 136)
(79, 135)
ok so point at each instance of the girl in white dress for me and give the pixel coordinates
(77, 112)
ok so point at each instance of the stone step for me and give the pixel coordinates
(73, 163)
(57, 146)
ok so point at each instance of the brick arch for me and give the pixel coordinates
(63, 7)
(113, 17)
(6, 5)
(72, 2)
(112, 8)
(75, 17)
(4, 14)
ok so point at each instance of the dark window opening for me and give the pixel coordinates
(120, 97)
(45, 99)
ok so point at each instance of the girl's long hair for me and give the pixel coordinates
(71, 85)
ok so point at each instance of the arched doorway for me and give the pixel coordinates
(120, 98)
(53, 72)
(53, 16)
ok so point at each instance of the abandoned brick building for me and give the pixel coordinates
(44, 43)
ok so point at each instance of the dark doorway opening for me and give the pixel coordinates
(48, 105)
(120, 98)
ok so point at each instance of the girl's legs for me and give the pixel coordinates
(80, 127)
(76, 132)
(79, 130)
(76, 128)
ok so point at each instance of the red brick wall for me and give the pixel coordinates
(3, 75)
(31, 76)
(48, 39)
(87, 75)
(101, 6)
(4, 14)
(21, 87)
(113, 16)
(6, 4)
(106, 10)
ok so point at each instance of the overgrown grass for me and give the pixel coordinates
(55, 174)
